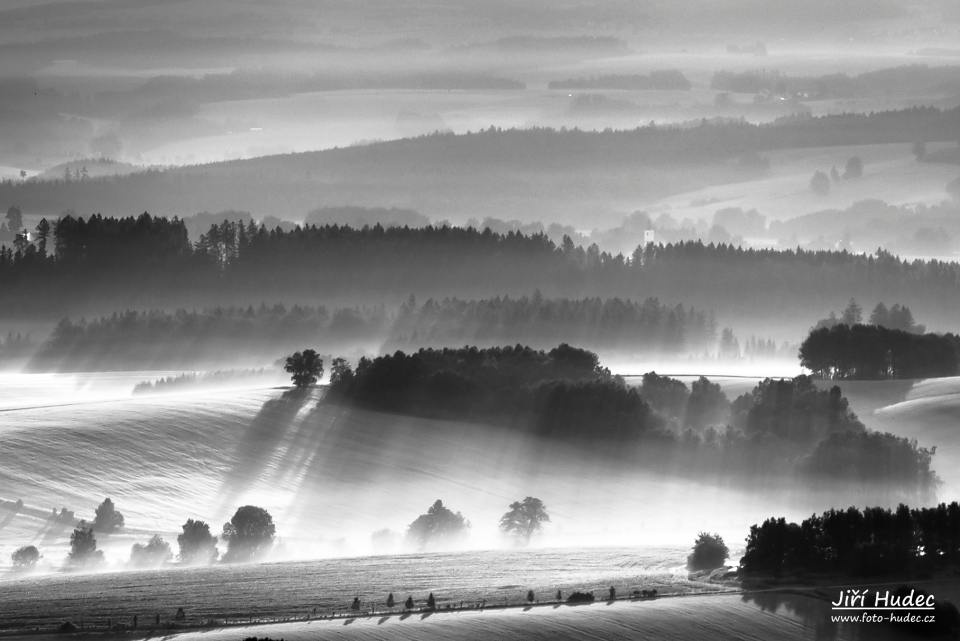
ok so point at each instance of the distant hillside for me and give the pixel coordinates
(529, 174)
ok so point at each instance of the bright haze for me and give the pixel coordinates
(196, 191)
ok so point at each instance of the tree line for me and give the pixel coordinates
(189, 338)
(624, 325)
(149, 262)
(869, 542)
(249, 535)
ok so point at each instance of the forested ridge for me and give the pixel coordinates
(91, 265)
(478, 167)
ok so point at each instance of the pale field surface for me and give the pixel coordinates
(891, 173)
(331, 476)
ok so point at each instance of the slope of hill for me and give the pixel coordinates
(530, 174)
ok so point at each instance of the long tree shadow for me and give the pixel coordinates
(54, 530)
(8, 518)
(256, 446)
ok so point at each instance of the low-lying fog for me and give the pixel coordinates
(332, 476)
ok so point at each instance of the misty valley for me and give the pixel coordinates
(508, 319)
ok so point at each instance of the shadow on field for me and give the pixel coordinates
(52, 531)
(9, 517)
(256, 446)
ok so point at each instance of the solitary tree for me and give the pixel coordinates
(408, 604)
(525, 518)
(43, 234)
(530, 596)
(305, 368)
(437, 525)
(154, 553)
(83, 547)
(880, 316)
(106, 518)
(197, 545)
(390, 601)
(25, 558)
(853, 314)
(340, 372)
(854, 168)
(820, 183)
(431, 602)
(709, 552)
(249, 534)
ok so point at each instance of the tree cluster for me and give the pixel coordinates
(871, 542)
(249, 536)
(875, 352)
(439, 526)
(565, 394)
(897, 317)
(709, 552)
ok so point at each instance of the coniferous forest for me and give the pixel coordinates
(95, 265)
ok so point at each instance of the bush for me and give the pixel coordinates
(249, 534)
(154, 553)
(709, 552)
(107, 518)
(26, 557)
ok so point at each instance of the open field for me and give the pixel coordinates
(891, 174)
(332, 476)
